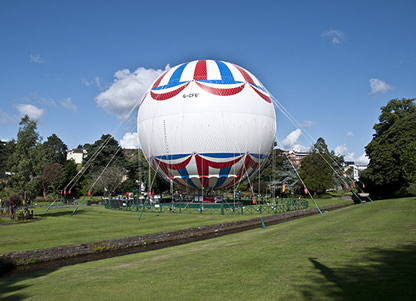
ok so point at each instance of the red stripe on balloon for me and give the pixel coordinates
(221, 92)
(168, 95)
(203, 166)
(166, 167)
(157, 82)
(244, 73)
(248, 163)
(264, 96)
(200, 72)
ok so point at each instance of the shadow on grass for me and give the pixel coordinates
(10, 289)
(384, 275)
(61, 213)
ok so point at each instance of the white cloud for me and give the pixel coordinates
(308, 123)
(126, 90)
(350, 156)
(378, 86)
(33, 112)
(36, 59)
(363, 159)
(6, 118)
(130, 140)
(68, 104)
(336, 36)
(341, 149)
(97, 81)
(350, 134)
(291, 142)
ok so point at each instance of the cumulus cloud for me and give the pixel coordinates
(68, 104)
(350, 156)
(378, 86)
(291, 142)
(36, 59)
(341, 149)
(32, 111)
(336, 36)
(130, 140)
(126, 90)
(363, 159)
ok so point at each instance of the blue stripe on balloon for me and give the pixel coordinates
(172, 157)
(221, 155)
(211, 155)
(259, 156)
(226, 75)
(259, 87)
(174, 80)
(221, 81)
(185, 176)
(223, 175)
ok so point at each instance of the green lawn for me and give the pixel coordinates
(365, 252)
(94, 223)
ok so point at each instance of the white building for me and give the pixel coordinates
(355, 167)
(76, 154)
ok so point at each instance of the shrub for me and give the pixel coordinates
(13, 203)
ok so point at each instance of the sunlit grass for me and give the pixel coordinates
(364, 252)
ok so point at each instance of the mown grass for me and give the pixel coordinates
(94, 223)
(57, 227)
(365, 252)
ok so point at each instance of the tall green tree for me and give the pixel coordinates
(315, 171)
(54, 150)
(103, 152)
(387, 174)
(24, 161)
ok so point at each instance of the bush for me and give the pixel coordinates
(412, 189)
(13, 203)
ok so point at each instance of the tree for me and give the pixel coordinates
(392, 112)
(52, 178)
(23, 161)
(6, 149)
(283, 173)
(408, 162)
(108, 180)
(390, 150)
(316, 170)
(102, 151)
(337, 162)
(13, 203)
(54, 150)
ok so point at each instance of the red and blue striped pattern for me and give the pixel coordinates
(216, 77)
(208, 169)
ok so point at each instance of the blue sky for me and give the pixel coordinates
(76, 66)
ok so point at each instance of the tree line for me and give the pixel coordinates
(31, 167)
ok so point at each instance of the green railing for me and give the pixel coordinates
(226, 208)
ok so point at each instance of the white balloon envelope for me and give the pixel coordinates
(207, 124)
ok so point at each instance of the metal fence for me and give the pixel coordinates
(226, 208)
